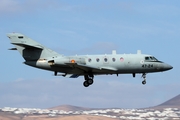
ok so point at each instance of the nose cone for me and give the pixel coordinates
(167, 67)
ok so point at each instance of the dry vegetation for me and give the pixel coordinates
(44, 117)
(78, 117)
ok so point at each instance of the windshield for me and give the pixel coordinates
(150, 58)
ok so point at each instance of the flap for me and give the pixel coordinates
(109, 69)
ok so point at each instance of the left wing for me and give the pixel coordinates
(95, 70)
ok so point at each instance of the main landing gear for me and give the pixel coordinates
(144, 77)
(88, 80)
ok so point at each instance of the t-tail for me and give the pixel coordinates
(30, 49)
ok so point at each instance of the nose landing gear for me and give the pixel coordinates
(144, 77)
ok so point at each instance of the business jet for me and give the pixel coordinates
(39, 56)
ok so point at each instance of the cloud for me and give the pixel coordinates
(99, 48)
(20, 6)
(159, 9)
(71, 35)
(105, 92)
(96, 48)
(9, 7)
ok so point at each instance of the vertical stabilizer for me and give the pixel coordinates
(30, 49)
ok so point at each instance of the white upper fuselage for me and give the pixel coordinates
(104, 64)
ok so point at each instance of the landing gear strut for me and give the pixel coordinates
(55, 73)
(134, 74)
(88, 80)
(144, 77)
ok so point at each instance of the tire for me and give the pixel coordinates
(86, 84)
(143, 82)
(90, 81)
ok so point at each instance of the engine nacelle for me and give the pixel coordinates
(64, 60)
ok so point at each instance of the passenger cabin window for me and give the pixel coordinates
(20, 37)
(105, 59)
(89, 60)
(97, 59)
(113, 59)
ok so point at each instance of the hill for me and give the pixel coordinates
(172, 103)
(70, 108)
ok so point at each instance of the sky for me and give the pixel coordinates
(80, 27)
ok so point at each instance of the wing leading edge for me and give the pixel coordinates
(94, 70)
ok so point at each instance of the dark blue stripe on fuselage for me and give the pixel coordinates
(74, 76)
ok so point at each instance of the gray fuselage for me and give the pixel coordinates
(104, 64)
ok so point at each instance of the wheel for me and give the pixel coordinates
(144, 82)
(90, 81)
(86, 84)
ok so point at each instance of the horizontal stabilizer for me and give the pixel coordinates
(28, 45)
(12, 49)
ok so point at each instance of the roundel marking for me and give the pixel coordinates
(121, 59)
(142, 61)
(73, 61)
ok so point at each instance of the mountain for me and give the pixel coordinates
(172, 103)
(70, 108)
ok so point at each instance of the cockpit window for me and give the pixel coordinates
(146, 58)
(150, 58)
(155, 59)
(20, 37)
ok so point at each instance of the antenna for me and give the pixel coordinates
(138, 51)
(114, 52)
